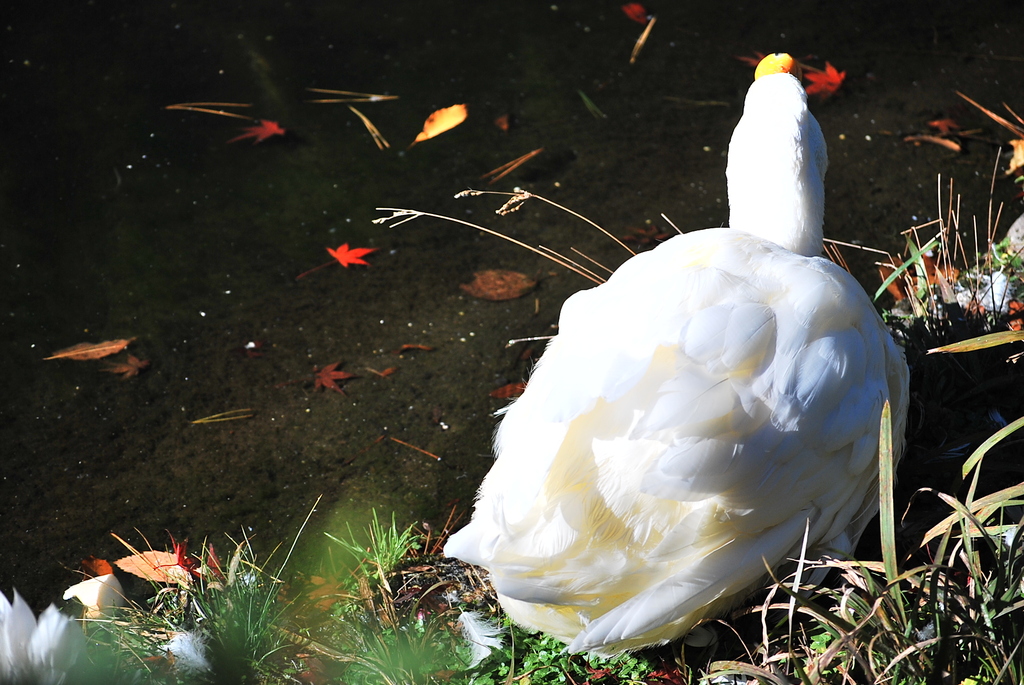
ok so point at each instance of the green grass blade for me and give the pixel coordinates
(886, 505)
(975, 459)
(983, 508)
(591, 107)
(904, 266)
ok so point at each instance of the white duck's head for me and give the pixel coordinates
(777, 161)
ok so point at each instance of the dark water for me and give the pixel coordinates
(119, 218)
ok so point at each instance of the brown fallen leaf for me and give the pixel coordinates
(129, 368)
(408, 346)
(83, 351)
(506, 391)
(498, 285)
(324, 593)
(944, 142)
(440, 121)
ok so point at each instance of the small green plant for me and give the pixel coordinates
(239, 614)
(382, 643)
(541, 659)
(386, 549)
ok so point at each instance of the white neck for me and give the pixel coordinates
(776, 169)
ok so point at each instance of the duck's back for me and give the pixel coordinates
(715, 398)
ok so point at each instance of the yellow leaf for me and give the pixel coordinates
(441, 121)
(1017, 161)
(981, 342)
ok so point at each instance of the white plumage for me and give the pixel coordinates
(717, 397)
(36, 651)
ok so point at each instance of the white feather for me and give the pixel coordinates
(32, 651)
(188, 649)
(481, 634)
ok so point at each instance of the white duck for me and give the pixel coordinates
(717, 397)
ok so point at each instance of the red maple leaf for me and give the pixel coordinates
(636, 12)
(263, 129)
(751, 61)
(944, 125)
(825, 83)
(346, 256)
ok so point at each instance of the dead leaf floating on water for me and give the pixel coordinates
(440, 121)
(85, 351)
(498, 285)
(507, 391)
(1016, 164)
(128, 369)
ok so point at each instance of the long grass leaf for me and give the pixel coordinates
(982, 342)
(982, 508)
(727, 668)
(886, 506)
(902, 268)
(812, 608)
(983, 448)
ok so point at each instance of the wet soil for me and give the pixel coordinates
(119, 218)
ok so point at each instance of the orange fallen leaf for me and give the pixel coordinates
(176, 567)
(159, 567)
(506, 391)
(94, 566)
(84, 351)
(498, 285)
(1017, 160)
(1016, 311)
(440, 121)
(825, 83)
